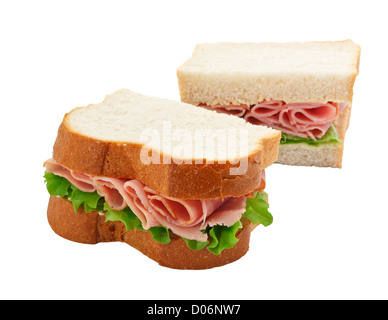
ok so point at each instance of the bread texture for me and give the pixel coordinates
(106, 140)
(91, 228)
(248, 73)
(324, 155)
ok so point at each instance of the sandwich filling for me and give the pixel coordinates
(299, 122)
(212, 223)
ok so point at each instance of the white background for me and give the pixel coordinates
(329, 239)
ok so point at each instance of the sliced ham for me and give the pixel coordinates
(235, 110)
(222, 215)
(341, 106)
(185, 218)
(306, 119)
(138, 202)
(81, 181)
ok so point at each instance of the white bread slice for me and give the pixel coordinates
(247, 73)
(108, 139)
(125, 115)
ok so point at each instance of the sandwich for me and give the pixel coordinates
(163, 176)
(303, 89)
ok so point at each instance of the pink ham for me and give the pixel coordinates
(185, 218)
(266, 113)
(306, 120)
(222, 215)
(81, 181)
(235, 110)
(112, 189)
(138, 202)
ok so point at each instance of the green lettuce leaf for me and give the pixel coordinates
(330, 136)
(126, 216)
(57, 186)
(131, 221)
(257, 210)
(195, 245)
(89, 200)
(99, 207)
(223, 237)
(160, 234)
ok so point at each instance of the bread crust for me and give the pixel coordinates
(184, 181)
(91, 228)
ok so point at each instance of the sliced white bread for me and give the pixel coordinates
(247, 73)
(109, 139)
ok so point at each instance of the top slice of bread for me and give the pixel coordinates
(247, 73)
(194, 150)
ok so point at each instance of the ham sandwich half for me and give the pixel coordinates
(303, 89)
(185, 210)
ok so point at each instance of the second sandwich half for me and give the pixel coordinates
(181, 184)
(304, 89)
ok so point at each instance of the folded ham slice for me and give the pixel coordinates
(81, 181)
(306, 119)
(185, 218)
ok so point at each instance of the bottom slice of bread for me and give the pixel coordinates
(91, 228)
(302, 154)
